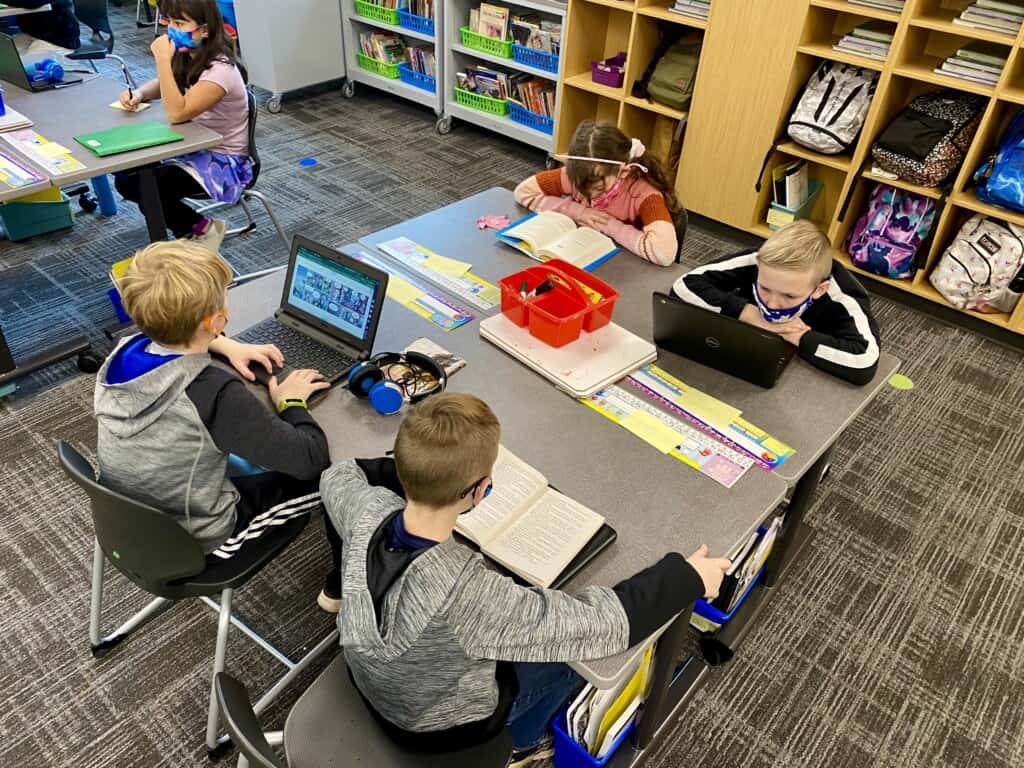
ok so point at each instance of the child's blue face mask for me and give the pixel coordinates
(182, 39)
(781, 315)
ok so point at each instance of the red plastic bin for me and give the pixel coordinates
(558, 316)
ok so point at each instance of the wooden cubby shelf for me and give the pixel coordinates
(862, 10)
(826, 51)
(935, 193)
(839, 162)
(664, 14)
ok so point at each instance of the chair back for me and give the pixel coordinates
(145, 544)
(254, 155)
(93, 13)
(682, 221)
(241, 723)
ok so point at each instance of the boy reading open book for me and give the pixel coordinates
(445, 650)
(551, 235)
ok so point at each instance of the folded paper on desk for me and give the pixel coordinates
(34, 146)
(441, 271)
(532, 530)
(140, 107)
(14, 174)
(551, 235)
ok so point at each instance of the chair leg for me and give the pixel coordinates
(102, 645)
(248, 227)
(266, 204)
(268, 698)
(213, 743)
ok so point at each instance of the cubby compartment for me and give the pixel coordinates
(1013, 84)
(826, 26)
(577, 106)
(821, 210)
(646, 36)
(924, 50)
(657, 132)
(985, 145)
(605, 32)
(659, 9)
(939, 15)
(864, 10)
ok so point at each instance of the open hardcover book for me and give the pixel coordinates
(551, 235)
(532, 530)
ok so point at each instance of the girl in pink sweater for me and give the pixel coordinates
(609, 184)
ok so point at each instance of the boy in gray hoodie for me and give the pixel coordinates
(167, 419)
(445, 650)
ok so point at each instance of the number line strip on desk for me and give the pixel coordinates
(467, 286)
(670, 435)
(432, 305)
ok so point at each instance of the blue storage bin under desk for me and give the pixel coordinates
(36, 214)
(569, 754)
(710, 619)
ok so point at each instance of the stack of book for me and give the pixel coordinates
(976, 63)
(383, 46)
(1003, 16)
(421, 59)
(695, 9)
(490, 20)
(424, 8)
(894, 6)
(531, 31)
(495, 83)
(536, 95)
(871, 40)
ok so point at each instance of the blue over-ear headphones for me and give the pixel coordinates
(387, 379)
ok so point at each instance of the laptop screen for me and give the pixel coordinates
(334, 293)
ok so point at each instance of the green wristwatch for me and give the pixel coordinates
(289, 402)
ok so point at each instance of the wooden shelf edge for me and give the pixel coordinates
(926, 75)
(660, 12)
(622, 5)
(934, 193)
(826, 51)
(943, 24)
(584, 82)
(859, 10)
(838, 162)
(1016, 95)
(653, 106)
(967, 199)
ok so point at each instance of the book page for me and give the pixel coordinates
(544, 228)
(516, 486)
(543, 541)
(581, 247)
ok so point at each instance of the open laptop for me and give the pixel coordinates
(328, 315)
(12, 69)
(720, 342)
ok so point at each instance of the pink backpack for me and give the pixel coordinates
(886, 239)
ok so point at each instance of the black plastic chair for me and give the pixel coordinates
(250, 193)
(160, 557)
(682, 222)
(331, 726)
(93, 13)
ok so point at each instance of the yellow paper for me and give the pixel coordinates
(652, 431)
(117, 269)
(708, 409)
(402, 291)
(635, 688)
(446, 266)
(773, 445)
(52, 149)
(138, 107)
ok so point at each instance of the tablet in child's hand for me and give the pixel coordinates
(140, 107)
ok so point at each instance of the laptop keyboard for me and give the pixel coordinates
(300, 350)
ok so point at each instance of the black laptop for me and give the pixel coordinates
(328, 315)
(12, 69)
(720, 342)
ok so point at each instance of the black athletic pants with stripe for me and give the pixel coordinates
(269, 489)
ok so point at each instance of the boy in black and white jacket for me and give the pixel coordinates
(792, 287)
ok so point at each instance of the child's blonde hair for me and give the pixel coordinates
(446, 443)
(799, 247)
(171, 287)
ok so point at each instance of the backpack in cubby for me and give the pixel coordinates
(1000, 181)
(982, 268)
(832, 107)
(888, 237)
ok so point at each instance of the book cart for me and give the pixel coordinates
(358, 16)
(463, 48)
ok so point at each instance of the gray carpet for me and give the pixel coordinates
(895, 641)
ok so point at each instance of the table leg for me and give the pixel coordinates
(803, 495)
(659, 704)
(151, 205)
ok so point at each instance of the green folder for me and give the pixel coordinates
(126, 138)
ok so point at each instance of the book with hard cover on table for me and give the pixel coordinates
(532, 530)
(551, 235)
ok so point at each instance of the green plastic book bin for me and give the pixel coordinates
(377, 13)
(481, 103)
(381, 68)
(37, 214)
(491, 45)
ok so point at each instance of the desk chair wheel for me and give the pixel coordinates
(88, 361)
(88, 202)
(222, 750)
(444, 126)
(274, 104)
(348, 89)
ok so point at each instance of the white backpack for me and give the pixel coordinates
(832, 107)
(977, 268)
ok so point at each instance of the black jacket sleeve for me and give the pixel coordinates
(844, 337)
(239, 423)
(656, 594)
(718, 286)
(382, 472)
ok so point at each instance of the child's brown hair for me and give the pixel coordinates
(604, 140)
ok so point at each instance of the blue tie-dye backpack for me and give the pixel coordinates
(1000, 181)
(886, 239)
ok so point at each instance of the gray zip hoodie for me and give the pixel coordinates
(152, 445)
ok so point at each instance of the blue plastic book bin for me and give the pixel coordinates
(707, 611)
(569, 754)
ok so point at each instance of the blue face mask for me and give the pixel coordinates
(781, 315)
(181, 39)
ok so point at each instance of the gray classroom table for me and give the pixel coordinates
(9, 11)
(63, 113)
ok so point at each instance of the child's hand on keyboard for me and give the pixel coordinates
(299, 385)
(242, 356)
